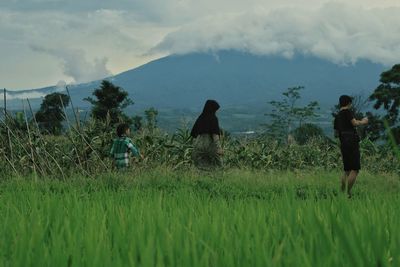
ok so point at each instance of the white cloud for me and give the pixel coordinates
(15, 95)
(124, 31)
(31, 95)
(79, 46)
(25, 95)
(338, 32)
(76, 65)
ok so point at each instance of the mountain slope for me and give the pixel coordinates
(234, 79)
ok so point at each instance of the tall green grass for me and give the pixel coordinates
(234, 218)
(84, 150)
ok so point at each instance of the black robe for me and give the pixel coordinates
(207, 122)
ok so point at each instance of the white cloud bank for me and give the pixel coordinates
(38, 48)
(76, 65)
(25, 95)
(75, 35)
(339, 32)
(59, 88)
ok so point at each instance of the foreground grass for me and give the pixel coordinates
(235, 218)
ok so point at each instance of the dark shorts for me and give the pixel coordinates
(350, 149)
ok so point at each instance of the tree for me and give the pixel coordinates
(51, 114)
(137, 122)
(20, 120)
(387, 95)
(286, 114)
(307, 132)
(110, 102)
(375, 127)
(151, 118)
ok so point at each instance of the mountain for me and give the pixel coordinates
(239, 81)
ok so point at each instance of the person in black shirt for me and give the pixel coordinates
(344, 125)
(206, 132)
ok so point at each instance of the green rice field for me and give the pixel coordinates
(188, 218)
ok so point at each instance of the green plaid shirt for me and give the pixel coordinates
(120, 151)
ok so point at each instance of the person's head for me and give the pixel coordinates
(123, 129)
(345, 101)
(210, 107)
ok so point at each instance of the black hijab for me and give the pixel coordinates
(207, 122)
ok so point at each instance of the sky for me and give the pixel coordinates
(50, 42)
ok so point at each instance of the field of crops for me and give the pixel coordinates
(187, 218)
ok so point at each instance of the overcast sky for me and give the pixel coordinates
(43, 42)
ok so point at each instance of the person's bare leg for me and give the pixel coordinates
(343, 181)
(351, 181)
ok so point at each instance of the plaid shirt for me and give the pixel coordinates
(120, 151)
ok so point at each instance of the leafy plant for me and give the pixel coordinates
(110, 101)
(287, 115)
(50, 115)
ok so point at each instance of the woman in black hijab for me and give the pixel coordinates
(207, 149)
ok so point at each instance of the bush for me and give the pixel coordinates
(85, 151)
(307, 132)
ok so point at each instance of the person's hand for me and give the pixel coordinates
(365, 120)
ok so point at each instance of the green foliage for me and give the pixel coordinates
(395, 132)
(84, 148)
(161, 217)
(387, 95)
(394, 138)
(151, 118)
(51, 113)
(85, 151)
(15, 121)
(137, 122)
(375, 127)
(306, 132)
(110, 102)
(287, 115)
(20, 120)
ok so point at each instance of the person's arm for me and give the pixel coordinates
(135, 152)
(355, 122)
(350, 117)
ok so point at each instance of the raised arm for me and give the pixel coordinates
(355, 122)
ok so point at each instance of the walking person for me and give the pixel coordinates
(345, 127)
(122, 147)
(207, 149)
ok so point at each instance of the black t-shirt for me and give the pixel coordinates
(343, 121)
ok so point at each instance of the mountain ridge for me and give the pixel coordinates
(231, 77)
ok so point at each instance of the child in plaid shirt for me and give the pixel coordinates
(122, 147)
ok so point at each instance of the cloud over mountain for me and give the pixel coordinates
(342, 33)
(125, 31)
(62, 38)
(76, 65)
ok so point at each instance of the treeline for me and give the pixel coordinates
(54, 142)
(288, 121)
